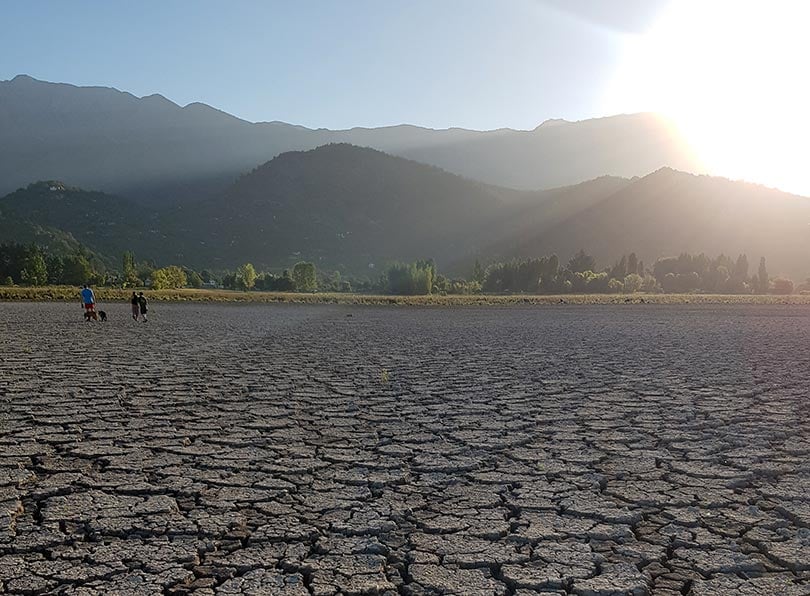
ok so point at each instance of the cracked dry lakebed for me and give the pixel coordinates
(288, 449)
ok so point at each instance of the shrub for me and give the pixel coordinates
(463, 287)
(781, 285)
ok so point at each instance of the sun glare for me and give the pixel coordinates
(733, 78)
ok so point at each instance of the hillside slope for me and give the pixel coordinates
(20, 231)
(669, 212)
(341, 205)
(58, 216)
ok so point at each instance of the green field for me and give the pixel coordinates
(66, 293)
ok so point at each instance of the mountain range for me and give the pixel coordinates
(354, 209)
(158, 153)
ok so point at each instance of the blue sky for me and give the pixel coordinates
(473, 63)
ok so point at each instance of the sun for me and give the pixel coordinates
(733, 78)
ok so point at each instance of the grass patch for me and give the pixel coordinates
(69, 293)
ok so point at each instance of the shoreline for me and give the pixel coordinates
(70, 294)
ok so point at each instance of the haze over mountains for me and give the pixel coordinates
(348, 208)
(199, 187)
(156, 152)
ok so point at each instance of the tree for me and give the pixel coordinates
(334, 282)
(56, 267)
(633, 283)
(169, 278)
(762, 278)
(620, 270)
(145, 270)
(229, 281)
(598, 283)
(245, 277)
(285, 282)
(581, 262)
(526, 275)
(632, 264)
(441, 285)
(35, 271)
(128, 263)
(76, 270)
(478, 272)
(128, 271)
(194, 278)
(410, 279)
(305, 277)
(650, 284)
(741, 269)
(12, 257)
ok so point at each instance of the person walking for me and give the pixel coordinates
(142, 306)
(89, 301)
(136, 306)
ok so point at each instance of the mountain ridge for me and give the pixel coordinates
(158, 152)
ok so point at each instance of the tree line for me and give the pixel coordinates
(31, 265)
(682, 274)
(546, 275)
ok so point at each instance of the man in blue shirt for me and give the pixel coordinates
(89, 300)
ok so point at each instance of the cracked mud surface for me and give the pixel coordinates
(261, 450)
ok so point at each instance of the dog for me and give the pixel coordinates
(90, 315)
(103, 316)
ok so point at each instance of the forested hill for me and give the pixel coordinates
(152, 150)
(341, 205)
(53, 213)
(669, 212)
(22, 231)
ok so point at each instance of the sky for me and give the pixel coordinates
(479, 64)
(729, 73)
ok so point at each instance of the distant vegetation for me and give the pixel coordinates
(30, 265)
(410, 279)
(672, 275)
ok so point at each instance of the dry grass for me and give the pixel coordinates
(68, 293)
